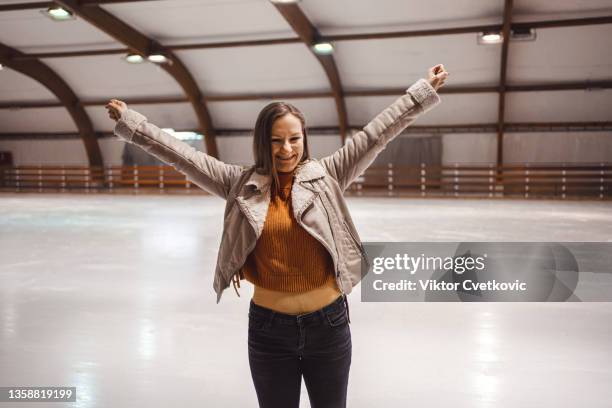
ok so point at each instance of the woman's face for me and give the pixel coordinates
(287, 143)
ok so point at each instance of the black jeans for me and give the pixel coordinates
(283, 348)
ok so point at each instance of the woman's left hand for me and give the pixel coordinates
(436, 76)
(116, 109)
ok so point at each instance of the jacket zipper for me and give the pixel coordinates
(334, 258)
(253, 225)
(356, 242)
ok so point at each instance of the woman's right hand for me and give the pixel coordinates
(115, 109)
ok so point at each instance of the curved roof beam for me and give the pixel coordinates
(53, 82)
(143, 45)
(310, 35)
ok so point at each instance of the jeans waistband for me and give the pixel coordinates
(291, 319)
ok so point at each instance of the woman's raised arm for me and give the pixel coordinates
(352, 159)
(203, 170)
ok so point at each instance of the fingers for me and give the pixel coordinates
(437, 75)
(113, 109)
(437, 69)
(438, 72)
(114, 116)
(442, 78)
(441, 75)
(117, 104)
(110, 108)
(120, 104)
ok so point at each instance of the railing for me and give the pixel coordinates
(525, 181)
(94, 179)
(547, 181)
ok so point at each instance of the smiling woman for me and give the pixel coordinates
(286, 231)
(287, 143)
(280, 140)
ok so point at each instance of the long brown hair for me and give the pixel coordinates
(262, 138)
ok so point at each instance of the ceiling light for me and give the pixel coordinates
(134, 58)
(323, 48)
(523, 34)
(489, 38)
(157, 58)
(59, 14)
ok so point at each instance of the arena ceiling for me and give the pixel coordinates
(231, 57)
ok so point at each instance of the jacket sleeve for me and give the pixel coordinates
(203, 170)
(351, 160)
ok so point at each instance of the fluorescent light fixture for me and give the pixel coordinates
(157, 58)
(285, 1)
(323, 48)
(490, 38)
(57, 13)
(134, 58)
(184, 135)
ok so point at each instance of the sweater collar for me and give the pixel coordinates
(305, 171)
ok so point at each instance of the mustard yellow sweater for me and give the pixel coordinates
(287, 258)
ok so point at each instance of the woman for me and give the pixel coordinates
(287, 230)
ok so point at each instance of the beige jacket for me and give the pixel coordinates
(317, 193)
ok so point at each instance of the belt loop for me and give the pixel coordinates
(348, 315)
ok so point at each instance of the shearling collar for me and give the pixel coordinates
(305, 171)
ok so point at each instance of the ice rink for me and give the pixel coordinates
(112, 294)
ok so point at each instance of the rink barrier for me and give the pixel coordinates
(559, 181)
